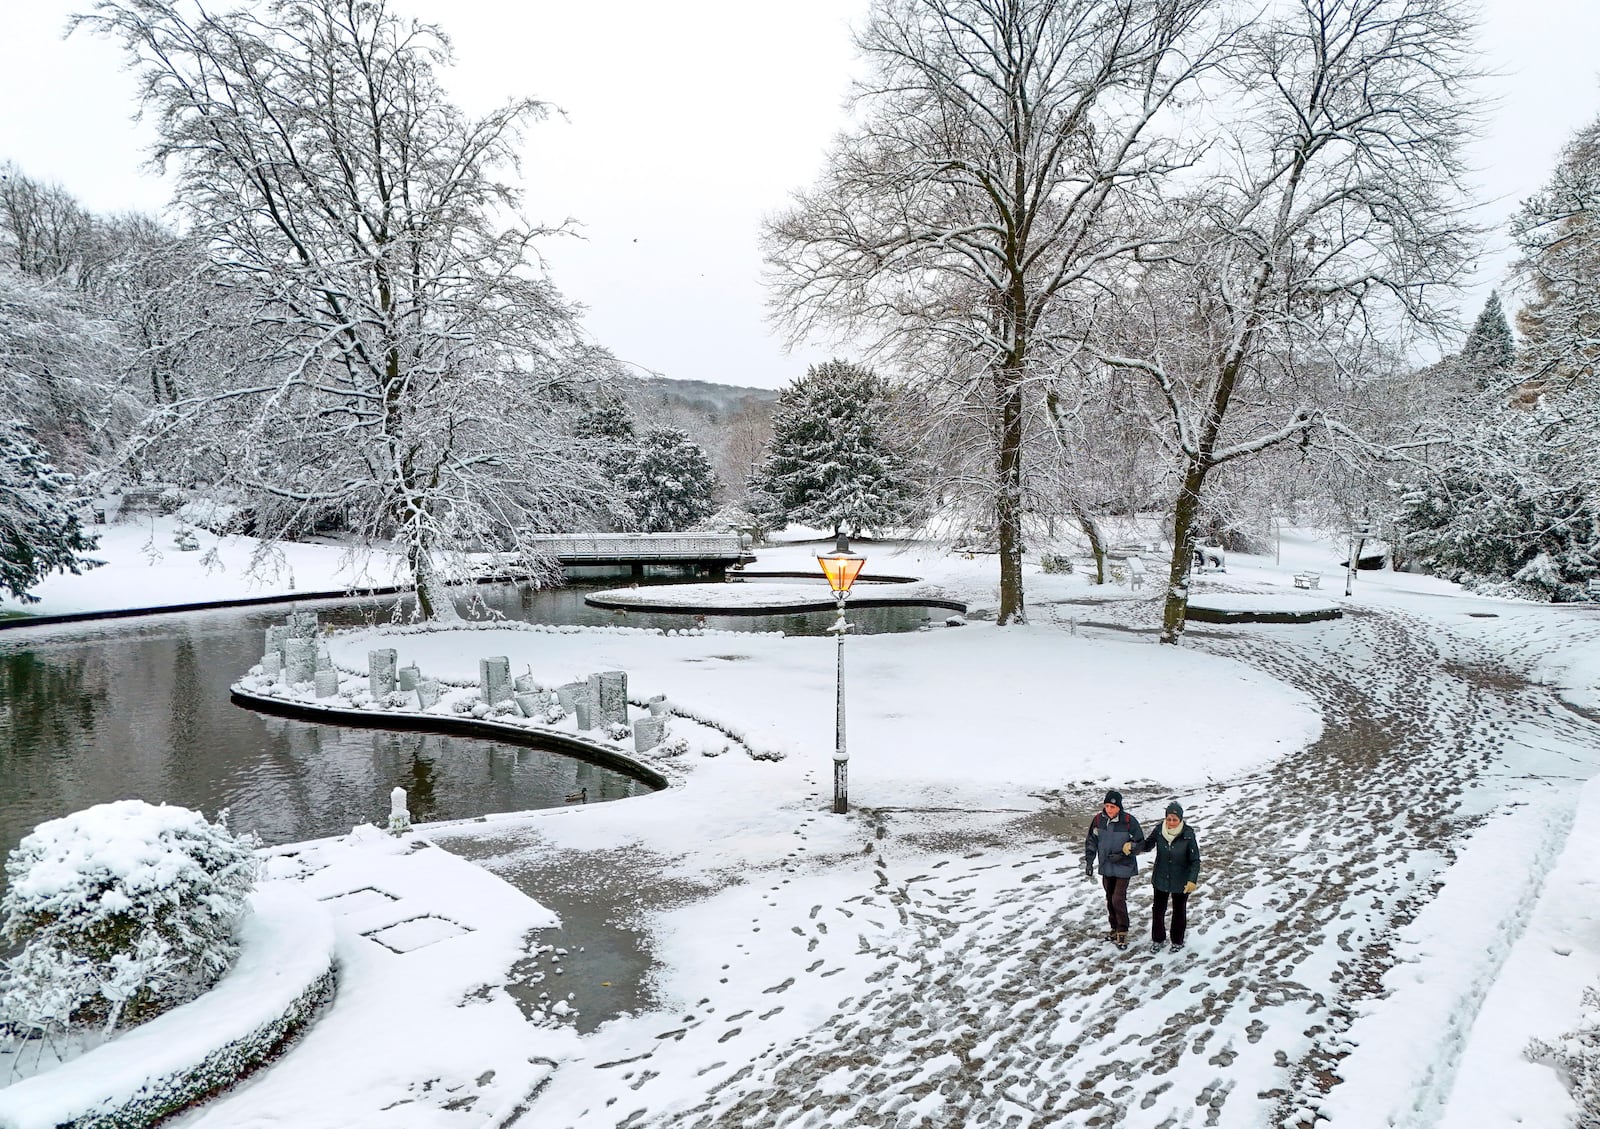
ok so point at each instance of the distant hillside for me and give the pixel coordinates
(715, 401)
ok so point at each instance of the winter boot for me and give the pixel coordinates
(1120, 940)
(1158, 946)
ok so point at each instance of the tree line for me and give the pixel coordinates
(1115, 256)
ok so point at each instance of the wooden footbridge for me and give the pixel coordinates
(709, 552)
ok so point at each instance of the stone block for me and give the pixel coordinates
(494, 679)
(272, 665)
(571, 694)
(584, 712)
(613, 697)
(427, 693)
(648, 732)
(530, 705)
(303, 625)
(300, 659)
(525, 684)
(409, 677)
(275, 639)
(659, 707)
(327, 683)
(380, 671)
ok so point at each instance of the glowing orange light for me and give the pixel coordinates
(841, 569)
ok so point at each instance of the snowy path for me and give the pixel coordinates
(958, 974)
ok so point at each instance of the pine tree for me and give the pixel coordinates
(39, 530)
(828, 464)
(1490, 352)
(669, 483)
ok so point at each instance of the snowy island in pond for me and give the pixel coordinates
(753, 597)
(1258, 607)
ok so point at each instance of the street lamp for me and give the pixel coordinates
(1358, 541)
(841, 567)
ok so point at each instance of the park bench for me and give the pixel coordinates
(1593, 589)
(1307, 579)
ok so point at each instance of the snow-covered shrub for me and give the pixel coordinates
(503, 709)
(1055, 562)
(212, 515)
(399, 699)
(555, 713)
(1576, 1056)
(617, 731)
(122, 911)
(672, 747)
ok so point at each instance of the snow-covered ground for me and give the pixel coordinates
(1395, 897)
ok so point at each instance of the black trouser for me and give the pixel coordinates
(1158, 916)
(1116, 902)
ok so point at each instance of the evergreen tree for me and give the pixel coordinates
(607, 432)
(1490, 352)
(668, 484)
(828, 464)
(39, 530)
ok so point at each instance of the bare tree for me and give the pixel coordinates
(415, 346)
(971, 199)
(1329, 223)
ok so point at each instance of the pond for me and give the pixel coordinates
(112, 709)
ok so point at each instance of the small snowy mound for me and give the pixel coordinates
(1260, 607)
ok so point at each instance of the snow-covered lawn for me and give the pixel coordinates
(1395, 896)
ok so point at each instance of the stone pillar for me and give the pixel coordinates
(648, 732)
(658, 706)
(525, 684)
(613, 698)
(324, 660)
(584, 712)
(272, 665)
(302, 625)
(427, 693)
(594, 696)
(380, 671)
(300, 659)
(494, 679)
(409, 677)
(275, 637)
(327, 683)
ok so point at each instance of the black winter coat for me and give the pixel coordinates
(1177, 862)
(1103, 844)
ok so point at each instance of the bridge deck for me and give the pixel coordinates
(642, 548)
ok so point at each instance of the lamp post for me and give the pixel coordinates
(841, 567)
(1358, 541)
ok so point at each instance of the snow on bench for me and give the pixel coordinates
(1307, 579)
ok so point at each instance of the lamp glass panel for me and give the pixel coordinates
(841, 569)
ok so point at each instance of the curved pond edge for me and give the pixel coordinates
(821, 605)
(23, 619)
(1217, 615)
(399, 721)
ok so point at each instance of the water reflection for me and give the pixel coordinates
(139, 708)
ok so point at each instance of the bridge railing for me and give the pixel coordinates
(639, 546)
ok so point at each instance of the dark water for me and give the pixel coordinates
(139, 708)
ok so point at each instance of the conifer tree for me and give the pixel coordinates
(39, 530)
(1490, 352)
(828, 463)
(668, 484)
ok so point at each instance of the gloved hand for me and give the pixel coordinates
(1127, 848)
(1188, 887)
(1088, 871)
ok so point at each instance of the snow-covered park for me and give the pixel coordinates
(1385, 804)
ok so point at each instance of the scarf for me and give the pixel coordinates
(1169, 834)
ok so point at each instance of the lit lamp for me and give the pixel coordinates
(841, 567)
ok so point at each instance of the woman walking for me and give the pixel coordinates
(1109, 842)
(1174, 875)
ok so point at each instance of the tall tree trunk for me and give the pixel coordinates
(1174, 614)
(1008, 495)
(1097, 541)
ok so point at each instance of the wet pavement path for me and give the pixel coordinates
(968, 979)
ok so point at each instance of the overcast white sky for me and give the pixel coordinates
(686, 123)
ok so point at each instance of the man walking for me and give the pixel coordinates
(1109, 830)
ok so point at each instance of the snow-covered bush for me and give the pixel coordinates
(122, 911)
(617, 731)
(1576, 1056)
(213, 515)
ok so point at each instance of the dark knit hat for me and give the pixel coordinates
(1112, 797)
(1175, 808)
